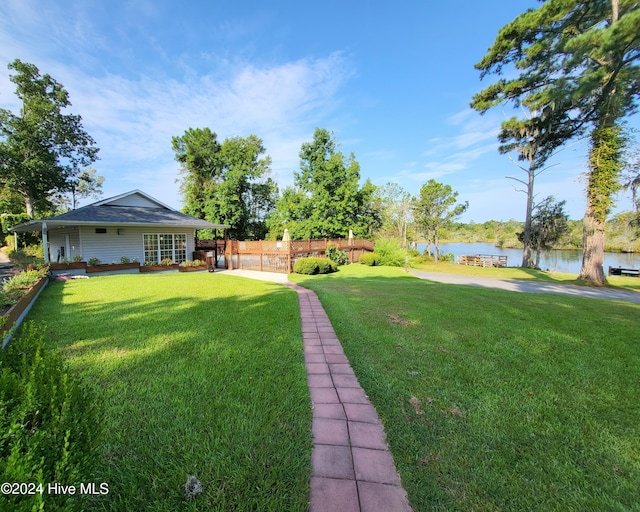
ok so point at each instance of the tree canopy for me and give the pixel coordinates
(434, 208)
(326, 200)
(549, 223)
(226, 183)
(42, 150)
(577, 61)
(396, 211)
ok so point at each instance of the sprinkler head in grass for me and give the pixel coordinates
(192, 488)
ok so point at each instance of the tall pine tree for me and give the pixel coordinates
(580, 60)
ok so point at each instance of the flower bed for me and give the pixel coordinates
(158, 268)
(16, 312)
(193, 266)
(110, 267)
(73, 265)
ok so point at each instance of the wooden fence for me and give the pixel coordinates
(277, 255)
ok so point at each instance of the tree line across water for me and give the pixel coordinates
(621, 235)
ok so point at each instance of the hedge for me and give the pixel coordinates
(314, 265)
(371, 259)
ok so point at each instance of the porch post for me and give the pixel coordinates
(45, 243)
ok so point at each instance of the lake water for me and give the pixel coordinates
(566, 261)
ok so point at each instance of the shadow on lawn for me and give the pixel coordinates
(207, 382)
(493, 399)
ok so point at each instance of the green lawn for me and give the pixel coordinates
(197, 374)
(495, 400)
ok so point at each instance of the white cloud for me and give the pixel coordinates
(133, 116)
(133, 121)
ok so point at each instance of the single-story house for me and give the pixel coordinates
(132, 225)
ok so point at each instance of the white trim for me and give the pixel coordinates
(158, 249)
(45, 243)
(131, 193)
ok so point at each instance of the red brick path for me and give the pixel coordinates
(351, 467)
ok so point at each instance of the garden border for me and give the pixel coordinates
(17, 312)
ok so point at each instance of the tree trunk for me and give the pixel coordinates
(527, 253)
(593, 250)
(436, 249)
(604, 170)
(28, 200)
(404, 235)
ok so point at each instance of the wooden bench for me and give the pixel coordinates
(619, 271)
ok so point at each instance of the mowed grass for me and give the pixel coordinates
(197, 374)
(495, 400)
(530, 274)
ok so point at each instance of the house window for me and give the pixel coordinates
(162, 246)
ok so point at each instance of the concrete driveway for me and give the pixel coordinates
(521, 285)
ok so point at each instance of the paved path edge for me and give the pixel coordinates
(522, 285)
(352, 469)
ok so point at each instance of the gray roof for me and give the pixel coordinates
(110, 215)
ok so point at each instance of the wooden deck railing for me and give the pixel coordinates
(278, 255)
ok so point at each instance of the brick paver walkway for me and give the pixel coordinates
(351, 467)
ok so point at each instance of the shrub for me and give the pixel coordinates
(314, 265)
(49, 423)
(305, 266)
(167, 262)
(390, 252)
(26, 256)
(371, 259)
(326, 266)
(125, 259)
(424, 257)
(336, 255)
(93, 261)
(77, 258)
(13, 289)
(447, 256)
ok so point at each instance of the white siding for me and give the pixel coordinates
(111, 246)
(57, 241)
(134, 200)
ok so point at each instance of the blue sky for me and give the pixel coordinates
(393, 81)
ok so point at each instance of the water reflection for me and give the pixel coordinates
(568, 261)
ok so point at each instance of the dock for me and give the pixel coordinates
(619, 271)
(482, 260)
